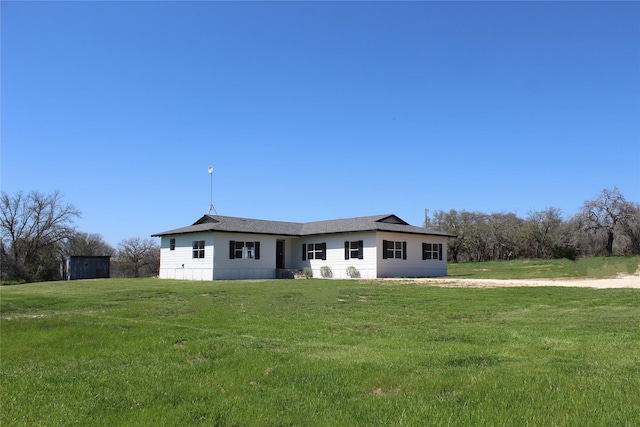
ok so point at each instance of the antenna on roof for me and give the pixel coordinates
(211, 208)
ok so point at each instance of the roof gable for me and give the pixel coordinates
(392, 219)
(207, 219)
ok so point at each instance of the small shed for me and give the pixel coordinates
(85, 267)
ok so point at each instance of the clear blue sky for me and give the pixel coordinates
(318, 110)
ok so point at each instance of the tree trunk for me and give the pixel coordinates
(609, 248)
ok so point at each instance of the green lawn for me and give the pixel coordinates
(590, 267)
(316, 353)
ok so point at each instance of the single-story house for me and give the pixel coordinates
(223, 247)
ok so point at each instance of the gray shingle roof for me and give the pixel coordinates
(238, 225)
(258, 226)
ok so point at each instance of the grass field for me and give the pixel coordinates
(590, 267)
(316, 353)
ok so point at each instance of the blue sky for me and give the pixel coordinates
(317, 110)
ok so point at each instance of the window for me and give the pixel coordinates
(172, 244)
(244, 250)
(314, 251)
(392, 249)
(432, 251)
(198, 249)
(354, 249)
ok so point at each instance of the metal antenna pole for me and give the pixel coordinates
(211, 208)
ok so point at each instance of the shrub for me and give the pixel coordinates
(308, 272)
(353, 272)
(325, 271)
(12, 282)
(567, 252)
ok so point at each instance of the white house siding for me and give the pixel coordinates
(414, 265)
(225, 268)
(180, 264)
(335, 255)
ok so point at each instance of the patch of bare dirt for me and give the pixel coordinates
(621, 281)
(25, 316)
(366, 328)
(378, 391)
(180, 343)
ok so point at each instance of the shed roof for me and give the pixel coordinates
(387, 222)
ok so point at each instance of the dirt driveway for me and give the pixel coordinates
(627, 281)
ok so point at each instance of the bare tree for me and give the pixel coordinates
(33, 227)
(631, 229)
(479, 237)
(137, 257)
(457, 223)
(507, 235)
(481, 241)
(543, 230)
(603, 217)
(85, 244)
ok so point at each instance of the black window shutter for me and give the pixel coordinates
(232, 249)
(304, 251)
(424, 251)
(384, 249)
(440, 251)
(324, 251)
(256, 248)
(346, 250)
(360, 249)
(404, 250)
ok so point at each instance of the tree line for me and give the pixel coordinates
(38, 233)
(607, 225)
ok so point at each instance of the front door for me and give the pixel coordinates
(279, 253)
